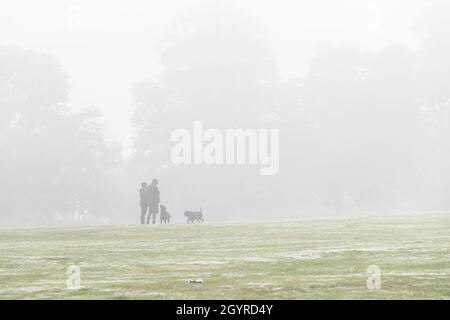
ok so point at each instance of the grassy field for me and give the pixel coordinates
(311, 259)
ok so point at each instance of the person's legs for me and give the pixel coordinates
(143, 212)
(148, 217)
(153, 218)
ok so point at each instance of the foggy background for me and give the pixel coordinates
(90, 92)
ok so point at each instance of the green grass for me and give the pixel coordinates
(310, 259)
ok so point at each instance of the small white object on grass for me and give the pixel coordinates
(198, 280)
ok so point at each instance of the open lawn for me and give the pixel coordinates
(304, 259)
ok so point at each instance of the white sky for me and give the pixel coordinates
(111, 48)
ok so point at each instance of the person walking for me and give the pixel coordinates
(153, 205)
(143, 194)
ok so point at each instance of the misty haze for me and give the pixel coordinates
(222, 114)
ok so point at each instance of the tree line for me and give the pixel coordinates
(362, 131)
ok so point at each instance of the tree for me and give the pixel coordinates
(218, 67)
(54, 162)
(365, 113)
(434, 70)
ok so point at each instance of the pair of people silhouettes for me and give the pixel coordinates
(149, 196)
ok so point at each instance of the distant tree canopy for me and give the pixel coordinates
(361, 131)
(434, 72)
(218, 67)
(355, 131)
(53, 162)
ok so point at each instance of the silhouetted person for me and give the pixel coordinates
(153, 205)
(143, 193)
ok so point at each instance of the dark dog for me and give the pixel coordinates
(164, 214)
(194, 216)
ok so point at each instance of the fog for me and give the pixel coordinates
(92, 92)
